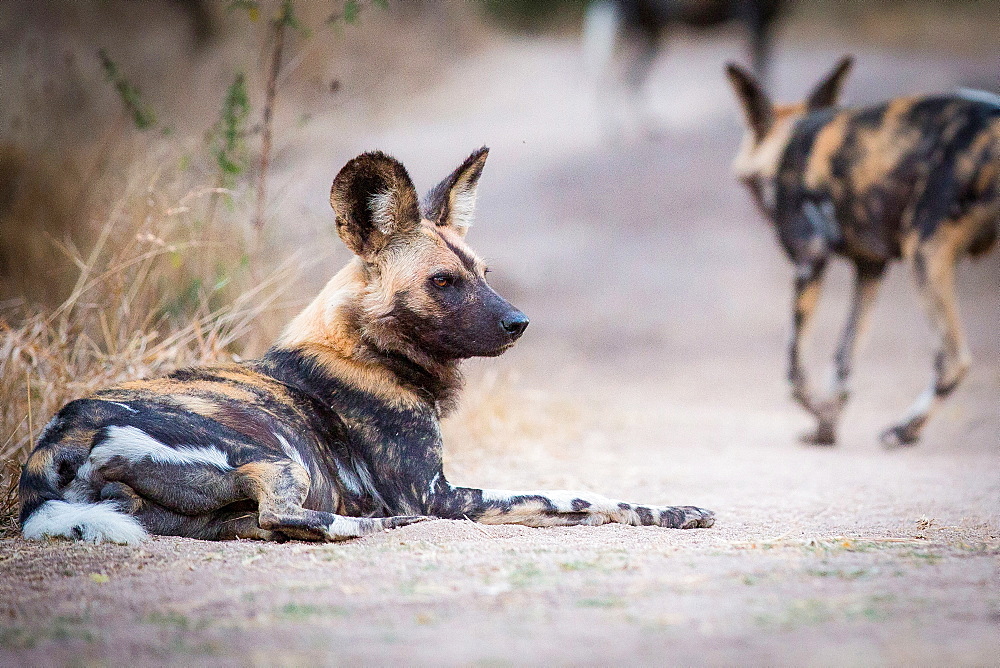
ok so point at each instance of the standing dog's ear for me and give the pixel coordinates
(452, 202)
(827, 92)
(373, 198)
(757, 106)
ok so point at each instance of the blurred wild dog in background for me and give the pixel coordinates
(639, 26)
(334, 433)
(915, 178)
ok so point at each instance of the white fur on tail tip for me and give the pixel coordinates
(94, 522)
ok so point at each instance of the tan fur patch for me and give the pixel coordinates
(828, 141)
(170, 387)
(197, 404)
(370, 378)
(881, 150)
(259, 477)
(321, 322)
(40, 462)
(265, 479)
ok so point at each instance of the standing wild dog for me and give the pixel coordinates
(334, 433)
(914, 177)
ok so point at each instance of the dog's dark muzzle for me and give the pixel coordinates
(514, 324)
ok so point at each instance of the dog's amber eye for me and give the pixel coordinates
(441, 280)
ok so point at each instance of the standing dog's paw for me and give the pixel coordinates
(824, 434)
(899, 436)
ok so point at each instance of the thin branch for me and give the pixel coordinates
(280, 24)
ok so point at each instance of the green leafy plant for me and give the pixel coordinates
(141, 113)
(230, 149)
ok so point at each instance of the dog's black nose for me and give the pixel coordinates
(515, 325)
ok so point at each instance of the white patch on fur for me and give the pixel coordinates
(134, 444)
(344, 527)
(292, 453)
(822, 219)
(463, 206)
(430, 487)
(923, 404)
(367, 482)
(94, 522)
(382, 205)
(761, 159)
(983, 96)
(349, 478)
(562, 500)
(125, 406)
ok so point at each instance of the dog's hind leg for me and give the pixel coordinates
(867, 279)
(191, 491)
(934, 265)
(808, 280)
(280, 487)
(224, 524)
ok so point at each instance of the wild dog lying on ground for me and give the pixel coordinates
(914, 177)
(334, 433)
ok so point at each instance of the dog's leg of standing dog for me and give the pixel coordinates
(552, 508)
(808, 280)
(934, 265)
(867, 279)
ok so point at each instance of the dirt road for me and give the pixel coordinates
(652, 371)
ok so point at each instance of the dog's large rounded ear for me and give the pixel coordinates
(374, 199)
(757, 106)
(452, 202)
(827, 92)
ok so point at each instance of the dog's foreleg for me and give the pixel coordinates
(808, 280)
(559, 508)
(935, 274)
(867, 279)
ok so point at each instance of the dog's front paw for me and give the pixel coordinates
(403, 520)
(824, 434)
(686, 517)
(899, 436)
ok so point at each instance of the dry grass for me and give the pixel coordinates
(166, 284)
(498, 421)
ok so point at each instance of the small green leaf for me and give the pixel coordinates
(288, 18)
(246, 5)
(142, 115)
(227, 135)
(352, 10)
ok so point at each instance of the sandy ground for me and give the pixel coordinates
(652, 371)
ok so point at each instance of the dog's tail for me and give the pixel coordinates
(45, 512)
